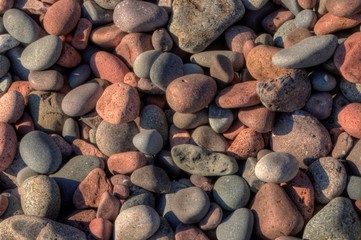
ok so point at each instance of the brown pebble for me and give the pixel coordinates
(107, 36)
(121, 184)
(48, 80)
(187, 232)
(158, 100)
(4, 203)
(81, 34)
(329, 23)
(12, 106)
(5, 5)
(24, 125)
(343, 8)
(69, 57)
(201, 182)
(81, 147)
(296, 36)
(258, 118)
(212, 219)
(358, 205)
(274, 20)
(81, 219)
(350, 119)
(343, 146)
(101, 229)
(109, 207)
(126, 162)
(236, 37)
(221, 70)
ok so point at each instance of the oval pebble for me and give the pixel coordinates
(153, 117)
(151, 178)
(322, 81)
(48, 80)
(206, 137)
(258, 118)
(12, 105)
(79, 75)
(144, 62)
(349, 118)
(277, 167)
(126, 162)
(204, 58)
(306, 19)
(8, 145)
(220, 119)
(229, 97)
(190, 120)
(101, 228)
(148, 141)
(353, 191)
(40, 153)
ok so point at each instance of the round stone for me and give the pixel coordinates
(190, 205)
(148, 141)
(144, 62)
(350, 119)
(153, 117)
(276, 167)
(40, 153)
(231, 192)
(151, 178)
(24, 174)
(79, 75)
(190, 120)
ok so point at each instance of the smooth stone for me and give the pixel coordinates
(282, 32)
(352, 188)
(254, 5)
(165, 161)
(166, 68)
(212, 219)
(188, 231)
(21, 26)
(309, 52)
(119, 103)
(196, 160)
(101, 228)
(90, 190)
(221, 70)
(349, 119)
(306, 19)
(24, 174)
(204, 59)
(337, 220)
(25, 124)
(190, 205)
(97, 15)
(191, 93)
(12, 105)
(193, 37)
(190, 120)
(248, 173)
(69, 57)
(192, 68)
(343, 145)
(82, 33)
(145, 198)
(339, 102)
(178, 136)
(7, 42)
(237, 225)
(301, 135)
(220, 119)
(8, 176)
(164, 232)
(40, 196)
(352, 91)
(79, 75)
(47, 49)
(206, 137)
(70, 130)
(126, 162)
(144, 62)
(330, 23)
(161, 40)
(151, 178)
(322, 81)
(13, 208)
(148, 141)
(80, 219)
(229, 97)
(292, 5)
(276, 167)
(38, 228)
(296, 36)
(231, 192)
(258, 118)
(275, 214)
(4, 65)
(153, 117)
(121, 184)
(319, 105)
(145, 218)
(17, 67)
(108, 4)
(329, 178)
(48, 80)
(275, 19)
(108, 207)
(112, 138)
(132, 16)
(40, 153)
(68, 179)
(343, 8)
(307, 4)
(5, 82)
(4, 203)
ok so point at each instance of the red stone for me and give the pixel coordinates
(81, 34)
(101, 229)
(350, 119)
(126, 162)
(247, 144)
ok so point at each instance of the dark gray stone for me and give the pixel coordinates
(7, 42)
(148, 141)
(145, 198)
(79, 75)
(220, 119)
(164, 160)
(190, 120)
(151, 178)
(24, 174)
(352, 91)
(206, 137)
(71, 130)
(322, 81)
(4, 65)
(17, 67)
(153, 117)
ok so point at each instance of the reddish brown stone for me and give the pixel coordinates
(81, 147)
(22, 87)
(8, 144)
(202, 182)
(343, 8)
(238, 95)
(107, 36)
(329, 23)
(80, 219)
(158, 100)
(69, 56)
(187, 232)
(131, 79)
(274, 20)
(350, 119)
(126, 162)
(343, 146)
(296, 36)
(81, 34)
(12, 106)
(236, 37)
(89, 191)
(109, 207)
(358, 205)
(64, 146)
(307, 4)
(247, 144)
(5, 5)
(258, 118)
(107, 66)
(234, 130)
(212, 219)
(24, 125)
(101, 229)
(4, 203)
(121, 184)
(275, 214)
(178, 136)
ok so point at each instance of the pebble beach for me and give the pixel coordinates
(180, 119)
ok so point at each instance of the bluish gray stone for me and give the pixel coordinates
(352, 91)
(306, 19)
(7, 42)
(220, 119)
(4, 65)
(148, 141)
(17, 67)
(192, 68)
(322, 81)
(144, 198)
(151, 178)
(79, 75)
(144, 62)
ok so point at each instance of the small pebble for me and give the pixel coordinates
(101, 228)
(349, 119)
(151, 178)
(148, 141)
(126, 162)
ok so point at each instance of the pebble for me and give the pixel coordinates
(148, 141)
(153, 117)
(107, 36)
(352, 91)
(7, 42)
(48, 80)
(80, 219)
(192, 68)
(306, 19)
(69, 57)
(258, 118)
(322, 81)
(329, 178)
(62, 17)
(5, 82)
(342, 146)
(319, 105)
(296, 36)
(24, 174)
(204, 59)
(231, 192)
(151, 178)
(101, 228)
(14, 206)
(190, 205)
(145, 219)
(143, 198)
(276, 167)
(283, 31)
(70, 130)
(43, 53)
(303, 54)
(229, 97)
(4, 203)
(353, 159)
(220, 119)
(343, 8)
(206, 137)
(338, 220)
(95, 14)
(349, 119)
(275, 214)
(108, 207)
(90, 190)
(301, 135)
(212, 219)
(184, 94)
(126, 162)
(329, 23)
(161, 40)
(193, 37)
(4, 65)
(221, 70)
(188, 231)
(144, 62)
(119, 103)
(81, 34)
(352, 188)
(237, 225)
(292, 5)
(164, 231)
(178, 136)
(117, 138)
(196, 160)
(40, 196)
(190, 120)
(12, 105)
(64, 146)
(274, 20)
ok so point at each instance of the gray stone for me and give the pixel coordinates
(40, 196)
(72, 173)
(220, 119)
(139, 16)
(309, 52)
(4, 65)
(264, 39)
(71, 130)
(21, 26)
(277, 167)
(164, 160)
(7, 42)
(151, 178)
(113, 138)
(342, 146)
(24, 174)
(97, 15)
(337, 220)
(2, 28)
(238, 225)
(254, 5)
(144, 62)
(329, 178)
(48, 80)
(353, 187)
(231, 192)
(292, 5)
(166, 68)
(148, 141)
(306, 19)
(283, 31)
(164, 232)
(5, 82)
(190, 120)
(204, 59)
(79, 75)
(185, 27)
(43, 53)
(339, 101)
(248, 173)
(13, 209)
(352, 91)
(108, 4)
(161, 40)
(40, 153)
(164, 209)
(22, 227)
(145, 198)
(199, 161)
(153, 117)
(17, 67)
(206, 137)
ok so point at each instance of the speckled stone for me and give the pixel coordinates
(329, 178)
(48, 80)
(40, 196)
(349, 119)
(258, 118)
(151, 178)
(229, 97)
(185, 157)
(126, 162)
(206, 137)
(337, 220)
(12, 105)
(231, 192)
(145, 218)
(193, 37)
(282, 31)
(153, 117)
(101, 228)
